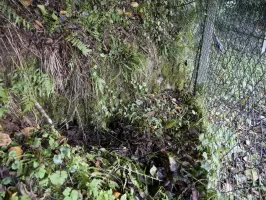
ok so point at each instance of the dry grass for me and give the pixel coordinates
(54, 56)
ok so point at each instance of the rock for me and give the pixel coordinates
(4, 139)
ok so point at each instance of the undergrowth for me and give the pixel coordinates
(110, 62)
(56, 170)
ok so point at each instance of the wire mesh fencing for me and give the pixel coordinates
(233, 71)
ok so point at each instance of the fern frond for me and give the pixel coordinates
(78, 44)
(13, 17)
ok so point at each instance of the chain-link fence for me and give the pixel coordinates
(232, 66)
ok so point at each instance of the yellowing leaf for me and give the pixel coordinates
(172, 112)
(63, 12)
(116, 194)
(128, 13)
(26, 131)
(134, 4)
(17, 149)
(4, 139)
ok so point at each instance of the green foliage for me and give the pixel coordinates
(70, 194)
(78, 44)
(216, 152)
(124, 58)
(13, 17)
(58, 178)
(50, 19)
(76, 171)
(3, 98)
(28, 84)
(159, 114)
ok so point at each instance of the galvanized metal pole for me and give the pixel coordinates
(206, 42)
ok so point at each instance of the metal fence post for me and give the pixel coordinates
(206, 42)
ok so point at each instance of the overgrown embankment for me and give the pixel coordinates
(148, 152)
(97, 53)
(120, 68)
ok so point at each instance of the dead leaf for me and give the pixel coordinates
(38, 24)
(4, 139)
(174, 100)
(135, 4)
(18, 151)
(119, 11)
(172, 112)
(98, 163)
(150, 114)
(228, 187)
(11, 192)
(195, 195)
(63, 12)
(252, 174)
(116, 194)
(26, 131)
(178, 108)
(173, 164)
(26, 2)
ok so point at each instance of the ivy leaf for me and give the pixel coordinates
(73, 169)
(6, 181)
(53, 144)
(41, 172)
(16, 165)
(35, 164)
(74, 195)
(58, 178)
(44, 181)
(57, 159)
(65, 151)
(123, 197)
(67, 191)
(37, 142)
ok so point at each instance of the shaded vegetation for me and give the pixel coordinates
(111, 76)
